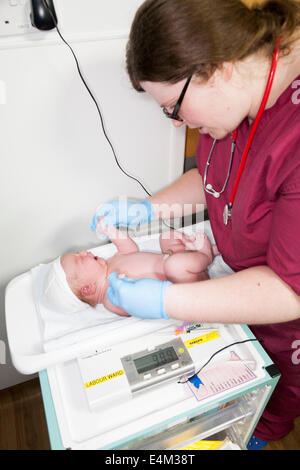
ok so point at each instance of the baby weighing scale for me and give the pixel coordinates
(124, 371)
(120, 385)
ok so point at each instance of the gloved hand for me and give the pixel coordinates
(123, 213)
(142, 298)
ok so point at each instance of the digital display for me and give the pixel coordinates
(155, 359)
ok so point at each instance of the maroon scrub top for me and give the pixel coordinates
(264, 228)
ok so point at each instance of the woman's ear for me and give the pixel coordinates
(88, 290)
(226, 71)
(223, 73)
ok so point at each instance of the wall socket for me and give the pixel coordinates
(15, 18)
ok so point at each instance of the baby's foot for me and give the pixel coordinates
(196, 242)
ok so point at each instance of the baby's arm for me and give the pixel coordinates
(114, 308)
(120, 239)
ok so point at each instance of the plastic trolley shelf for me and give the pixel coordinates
(232, 419)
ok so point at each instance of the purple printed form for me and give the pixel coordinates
(222, 377)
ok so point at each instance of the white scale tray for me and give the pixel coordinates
(24, 328)
(79, 427)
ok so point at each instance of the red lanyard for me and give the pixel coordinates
(254, 127)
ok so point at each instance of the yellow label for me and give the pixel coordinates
(202, 339)
(100, 380)
(203, 445)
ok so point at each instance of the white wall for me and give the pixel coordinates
(56, 166)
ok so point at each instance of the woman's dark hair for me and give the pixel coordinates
(173, 39)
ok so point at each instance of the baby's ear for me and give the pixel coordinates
(88, 290)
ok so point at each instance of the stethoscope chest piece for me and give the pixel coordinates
(209, 189)
(226, 214)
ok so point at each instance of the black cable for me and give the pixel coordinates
(94, 100)
(127, 174)
(217, 352)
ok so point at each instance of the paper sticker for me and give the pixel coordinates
(222, 377)
(105, 378)
(202, 339)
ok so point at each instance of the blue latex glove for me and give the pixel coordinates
(142, 298)
(123, 213)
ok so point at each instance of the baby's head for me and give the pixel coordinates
(74, 280)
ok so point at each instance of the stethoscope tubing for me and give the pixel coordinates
(256, 121)
(208, 188)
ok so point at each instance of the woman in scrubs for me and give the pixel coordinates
(209, 64)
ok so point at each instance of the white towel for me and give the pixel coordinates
(58, 295)
(59, 328)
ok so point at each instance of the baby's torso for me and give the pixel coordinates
(134, 265)
(137, 265)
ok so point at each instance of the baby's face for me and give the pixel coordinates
(83, 268)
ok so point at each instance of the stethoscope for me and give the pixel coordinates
(208, 187)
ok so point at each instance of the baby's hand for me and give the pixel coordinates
(102, 230)
(110, 231)
(101, 227)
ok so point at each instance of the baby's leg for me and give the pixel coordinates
(172, 240)
(176, 241)
(188, 266)
(199, 241)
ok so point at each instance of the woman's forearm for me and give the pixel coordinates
(252, 296)
(183, 197)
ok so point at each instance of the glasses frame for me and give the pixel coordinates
(174, 114)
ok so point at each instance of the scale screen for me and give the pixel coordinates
(155, 359)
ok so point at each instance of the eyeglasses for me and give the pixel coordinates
(174, 114)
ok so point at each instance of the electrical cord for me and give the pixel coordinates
(217, 352)
(98, 110)
(125, 172)
(95, 102)
(122, 169)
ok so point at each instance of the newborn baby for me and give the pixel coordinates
(183, 259)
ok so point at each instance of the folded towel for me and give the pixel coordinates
(58, 294)
(69, 328)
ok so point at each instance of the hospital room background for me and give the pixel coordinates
(60, 160)
(56, 165)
